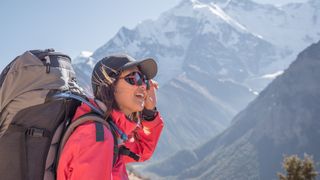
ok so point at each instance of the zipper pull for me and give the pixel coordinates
(47, 58)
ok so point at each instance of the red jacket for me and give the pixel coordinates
(85, 159)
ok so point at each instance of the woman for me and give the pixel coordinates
(123, 88)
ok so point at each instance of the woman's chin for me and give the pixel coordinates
(140, 106)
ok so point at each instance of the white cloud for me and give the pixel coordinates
(86, 54)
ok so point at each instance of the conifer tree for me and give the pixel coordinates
(298, 169)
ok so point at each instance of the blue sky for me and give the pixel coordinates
(71, 26)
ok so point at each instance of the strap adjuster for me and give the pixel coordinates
(126, 151)
(35, 132)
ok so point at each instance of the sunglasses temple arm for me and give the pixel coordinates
(148, 84)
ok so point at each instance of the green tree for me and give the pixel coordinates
(298, 169)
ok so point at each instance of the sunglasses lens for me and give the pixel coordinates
(138, 79)
(135, 78)
(130, 80)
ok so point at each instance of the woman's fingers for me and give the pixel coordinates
(151, 99)
(154, 84)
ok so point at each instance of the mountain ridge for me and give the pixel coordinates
(283, 119)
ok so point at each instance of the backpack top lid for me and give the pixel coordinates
(29, 73)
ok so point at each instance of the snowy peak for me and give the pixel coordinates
(206, 12)
(280, 25)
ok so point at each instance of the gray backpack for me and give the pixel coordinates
(38, 97)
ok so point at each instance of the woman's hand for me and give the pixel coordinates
(151, 98)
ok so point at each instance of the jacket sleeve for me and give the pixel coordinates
(144, 139)
(83, 158)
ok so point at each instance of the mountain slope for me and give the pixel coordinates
(284, 119)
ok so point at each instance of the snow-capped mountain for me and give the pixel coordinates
(170, 37)
(210, 65)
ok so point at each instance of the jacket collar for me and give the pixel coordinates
(118, 117)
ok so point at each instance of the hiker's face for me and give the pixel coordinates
(130, 95)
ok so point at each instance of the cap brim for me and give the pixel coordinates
(147, 66)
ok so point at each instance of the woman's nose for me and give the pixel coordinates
(143, 86)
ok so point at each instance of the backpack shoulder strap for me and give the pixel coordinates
(99, 123)
(78, 122)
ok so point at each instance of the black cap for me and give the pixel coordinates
(117, 63)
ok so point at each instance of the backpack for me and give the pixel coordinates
(38, 98)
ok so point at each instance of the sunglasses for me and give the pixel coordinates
(136, 79)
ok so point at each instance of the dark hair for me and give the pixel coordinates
(105, 89)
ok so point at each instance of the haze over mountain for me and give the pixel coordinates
(212, 60)
(282, 120)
